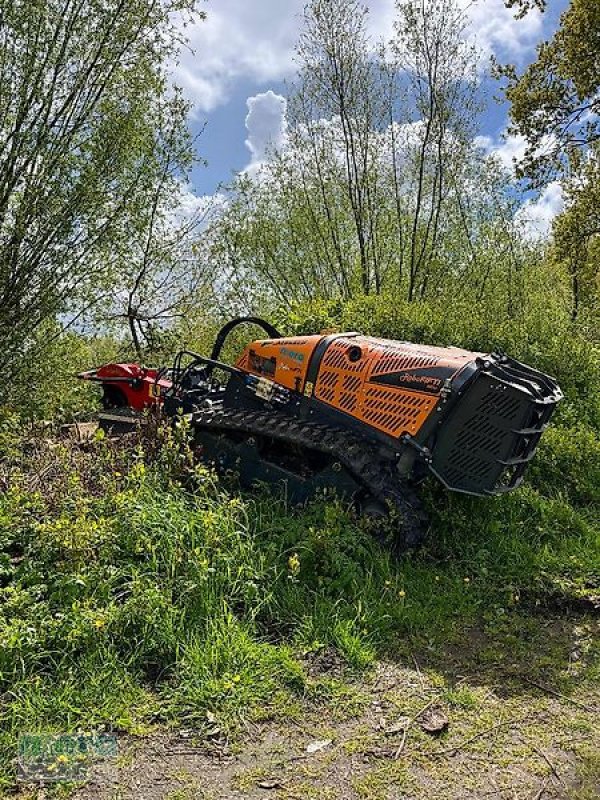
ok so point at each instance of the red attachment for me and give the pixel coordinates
(129, 385)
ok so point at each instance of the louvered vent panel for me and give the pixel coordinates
(340, 379)
(396, 360)
(336, 356)
(327, 395)
(328, 378)
(341, 383)
(482, 436)
(351, 383)
(348, 401)
(395, 411)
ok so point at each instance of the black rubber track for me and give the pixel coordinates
(360, 457)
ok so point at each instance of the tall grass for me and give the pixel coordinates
(136, 592)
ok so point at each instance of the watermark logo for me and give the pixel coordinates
(51, 757)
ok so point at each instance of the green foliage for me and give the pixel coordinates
(45, 386)
(82, 87)
(136, 589)
(554, 106)
(576, 233)
(554, 103)
(568, 465)
(381, 185)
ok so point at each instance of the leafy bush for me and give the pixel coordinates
(45, 386)
(136, 588)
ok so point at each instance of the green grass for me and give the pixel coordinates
(137, 590)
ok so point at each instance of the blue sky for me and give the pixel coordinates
(245, 48)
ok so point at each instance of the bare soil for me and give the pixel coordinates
(508, 735)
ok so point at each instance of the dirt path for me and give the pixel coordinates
(505, 738)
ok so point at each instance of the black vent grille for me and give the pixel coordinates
(491, 433)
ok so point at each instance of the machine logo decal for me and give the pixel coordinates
(293, 354)
(430, 381)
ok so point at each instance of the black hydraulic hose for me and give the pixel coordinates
(222, 335)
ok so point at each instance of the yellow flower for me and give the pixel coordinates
(294, 564)
(99, 622)
(62, 759)
(236, 679)
(401, 594)
(467, 580)
(437, 577)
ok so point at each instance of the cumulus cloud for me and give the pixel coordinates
(537, 216)
(237, 40)
(265, 124)
(256, 41)
(491, 26)
(495, 31)
(193, 211)
(508, 150)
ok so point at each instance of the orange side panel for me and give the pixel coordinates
(351, 385)
(393, 410)
(284, 361)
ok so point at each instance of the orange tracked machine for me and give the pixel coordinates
(369, 417)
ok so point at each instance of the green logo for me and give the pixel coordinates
(52, 757)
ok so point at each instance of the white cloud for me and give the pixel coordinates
(507, 149)
(256, 41)
(265, 124)
(380, 20)
(238, 39)
(494, 29)
(510, 150)
(536, 216)
(491, 26)
(194, 210)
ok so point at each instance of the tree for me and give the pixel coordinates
(556, 101)
(577, 233)
(336, 83)
(80, 82)
(153, 275)
(524, 6)
(430, 56)
(372, 180)
(555, 105)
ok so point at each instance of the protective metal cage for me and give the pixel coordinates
(489, 437)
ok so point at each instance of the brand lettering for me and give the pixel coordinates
(293, 354)
(425, 380)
